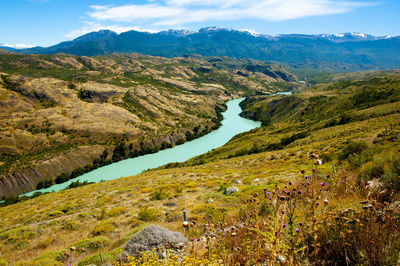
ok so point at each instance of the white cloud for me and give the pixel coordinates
(221, 3)
(180, 12)
(156, 15)
(17, 46)
(129, 13)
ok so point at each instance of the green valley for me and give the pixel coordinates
(317, 184)
(64, 115)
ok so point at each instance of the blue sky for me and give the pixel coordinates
(48, 22)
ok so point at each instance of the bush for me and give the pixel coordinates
(15, 235)
(94, 259)
(386, 168)
(326, 157)
(64, 177)
(180, 141)
(45, 184)
(372, 170)
(117, 211)
(55, 256)
(102, 228)
(159, 194)
(92, 244)
(358, 238)
(391, 178)
(43, 244)
(148, 214)
(70, 226)
(352, 148)
(56, 214)
(78, 183)
(287, 140)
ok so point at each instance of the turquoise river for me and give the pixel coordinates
(232, 124)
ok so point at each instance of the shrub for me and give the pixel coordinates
(64, 177)
(191, 184)
(391, 179)
(326, 157)
(159, 194)
(94, 259)
(45, 243)
(65, 208)
(15, 235)
(103, 200)
(386, 168)
(56, 256)
(92, 244)
(102, 228)
(117, 211)
(180, 141)
(287, 140)
(70, 226)
(372, 170)
(148, 214)
(359, 237)
(45, 184)
(56, 214)
(352, 148)
(78, 183)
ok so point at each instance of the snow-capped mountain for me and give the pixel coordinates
(177, 33)
(343, 51)
(351, 37)
(216, 29)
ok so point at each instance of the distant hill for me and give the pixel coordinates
(337, 52)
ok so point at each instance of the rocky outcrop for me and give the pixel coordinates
(270, 71)
(26, 179)
(154, 237)
(231, 190)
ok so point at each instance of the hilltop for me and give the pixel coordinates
(316, 155)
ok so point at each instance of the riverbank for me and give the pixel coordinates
(231, 125)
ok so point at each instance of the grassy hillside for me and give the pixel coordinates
(64, 115)
(311, 214)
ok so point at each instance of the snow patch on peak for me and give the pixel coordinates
(180, 33)
(339, 35)
(362, 35)
(208, 29)
(251, 32)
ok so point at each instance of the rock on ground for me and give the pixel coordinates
(231, 190)
(153, 237)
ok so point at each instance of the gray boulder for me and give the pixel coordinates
(230, 190)
(153, 237)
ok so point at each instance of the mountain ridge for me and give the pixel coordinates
(333, 52)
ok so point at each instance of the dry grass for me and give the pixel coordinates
(334, 226)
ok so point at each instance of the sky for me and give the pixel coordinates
(27, 23)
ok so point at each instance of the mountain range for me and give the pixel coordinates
(337, 52)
